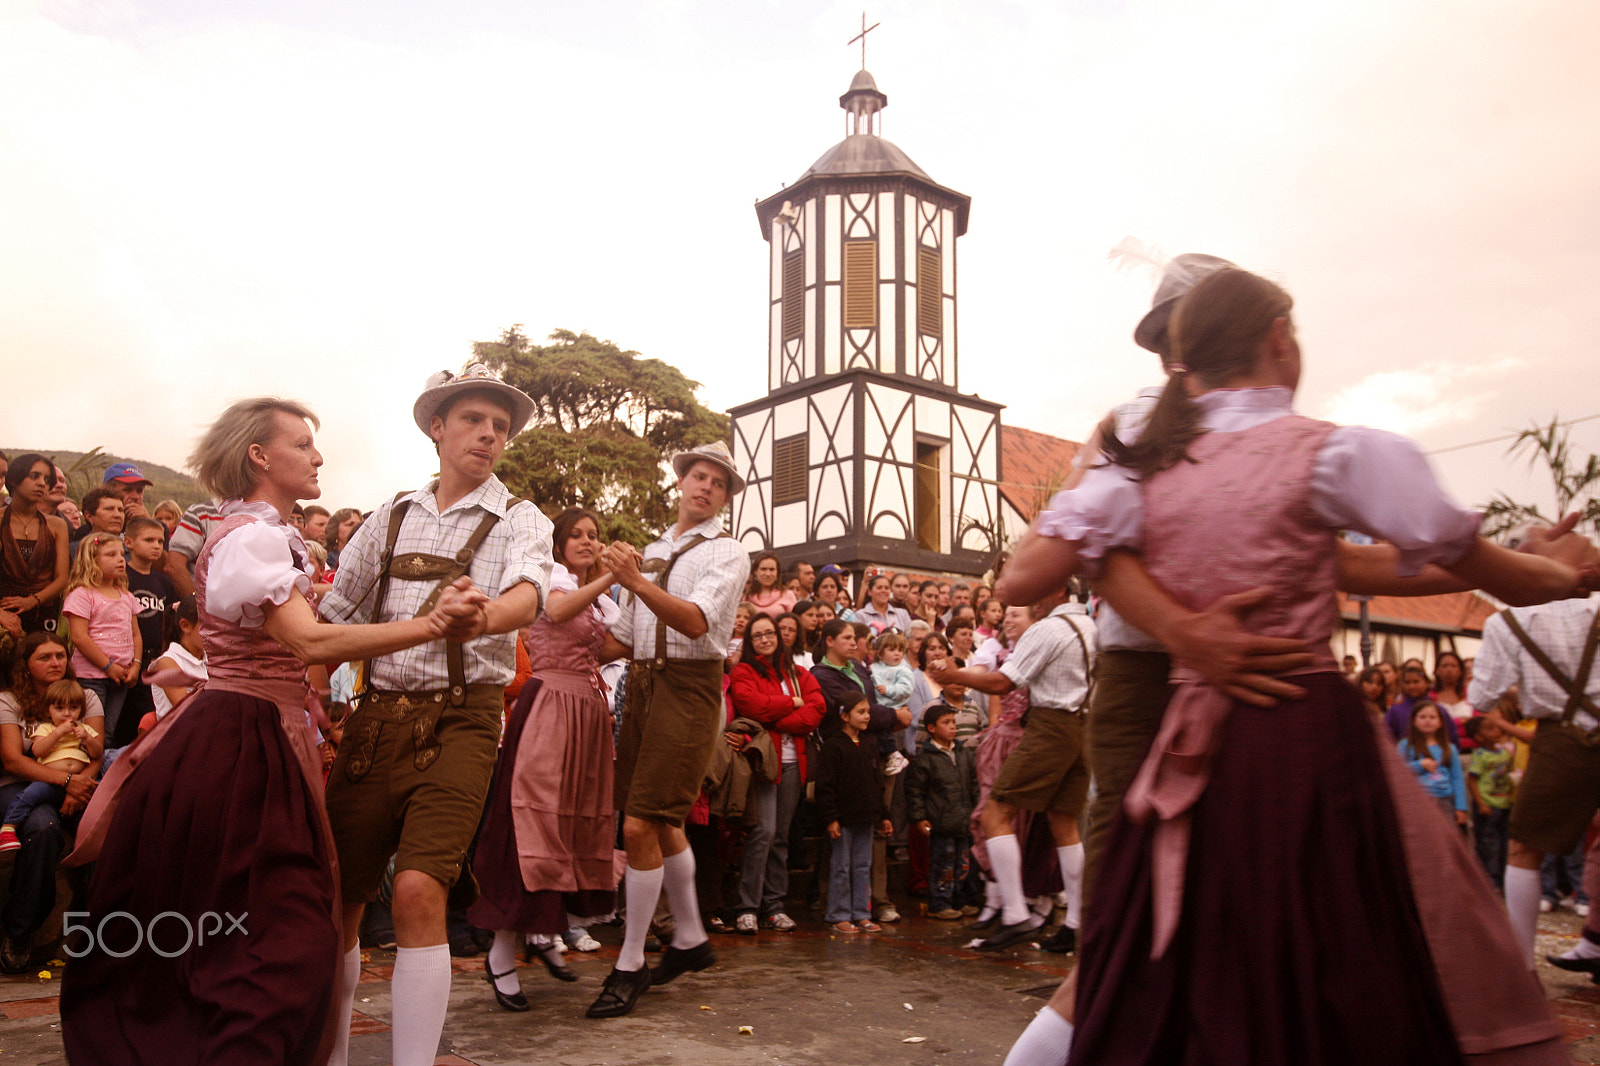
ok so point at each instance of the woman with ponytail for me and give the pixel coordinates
(1282, 848)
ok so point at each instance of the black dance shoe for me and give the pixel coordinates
(676, 961)
(622, 990)
(1064, 942)
(516, 1002)
(1006, 935)
(558, 970)
(1588, 966)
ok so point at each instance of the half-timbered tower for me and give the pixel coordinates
(864, 450)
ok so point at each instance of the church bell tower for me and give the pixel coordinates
(864, 451)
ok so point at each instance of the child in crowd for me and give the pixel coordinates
(1489, 781)
(971, 719)
(864, 637)
(154, 595)
(891, 674)
(1374, 687)
(941, 790)
(1413, 691)
(850, 805)
(989, 616)
(107, 649)
(741, 619)
(57, 743)
(185, 655)
(1431, 756)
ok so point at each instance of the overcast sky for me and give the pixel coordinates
(208, 199)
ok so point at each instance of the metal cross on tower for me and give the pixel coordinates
(862, 37)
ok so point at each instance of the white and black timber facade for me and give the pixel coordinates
(864, 452)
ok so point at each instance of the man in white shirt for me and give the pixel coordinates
(675, 625)
(1548, 653)
(1047, 772)
(413, 769)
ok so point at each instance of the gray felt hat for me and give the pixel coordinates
(1182, 274)
(444, 386)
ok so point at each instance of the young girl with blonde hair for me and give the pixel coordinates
(102, 619)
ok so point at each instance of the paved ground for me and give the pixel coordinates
(811, 998)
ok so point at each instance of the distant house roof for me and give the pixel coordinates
(1034, 465)
(1455, 612)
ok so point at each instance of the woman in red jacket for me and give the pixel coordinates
(767, 688)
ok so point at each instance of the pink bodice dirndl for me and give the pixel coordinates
(561, 791)
(219, 808)
(1238, 518)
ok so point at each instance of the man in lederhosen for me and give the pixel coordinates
(1548, 652)
(675, 625)
(414, 766)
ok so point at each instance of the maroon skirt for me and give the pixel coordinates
(1299, 942)
(215, 832)
(504, 901)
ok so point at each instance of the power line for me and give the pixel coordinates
(1506, 437)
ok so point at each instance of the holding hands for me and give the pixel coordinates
(1560, 544)
(461, 613)
(623, 560)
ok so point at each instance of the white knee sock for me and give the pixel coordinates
(689, 930)
(1045, 1042)
(420, 994)
(1522, 906)
(503, 960)
(1005, 855)
(1583, 949)
(991, 900)
(349, 977)
(1071, 860)
(641, 890)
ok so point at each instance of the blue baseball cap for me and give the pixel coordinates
(126, 473)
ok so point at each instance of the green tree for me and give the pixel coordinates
(1572, 478)
(605, 421)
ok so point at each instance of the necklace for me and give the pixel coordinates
(29, 526)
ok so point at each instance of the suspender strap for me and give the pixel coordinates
(396, 514)
(453, 656)
(447, 570)
(1077, 634)
(1576, 687)
(661, 582)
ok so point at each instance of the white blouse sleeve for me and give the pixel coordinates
(1381, 484)
(250, 568)
(562, 579)
(1104, 511)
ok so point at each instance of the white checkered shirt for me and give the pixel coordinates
(711, 576)
(1052, 662)
(516, 549)
(1560, 629)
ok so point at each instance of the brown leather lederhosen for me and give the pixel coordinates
(1560, 789)
(672, 712)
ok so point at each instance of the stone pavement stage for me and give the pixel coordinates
(811, 998)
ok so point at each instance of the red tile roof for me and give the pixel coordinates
(1456, 612)
(1034, 465)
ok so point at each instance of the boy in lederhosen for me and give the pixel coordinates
(414, 767)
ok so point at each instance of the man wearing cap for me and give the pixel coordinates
(129, 482)
(414, 766)
(675, 625)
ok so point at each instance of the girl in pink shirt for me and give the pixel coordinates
(103, 620)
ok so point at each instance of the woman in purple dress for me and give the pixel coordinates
(1277, 898)
(545, 857)
(213, 906)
